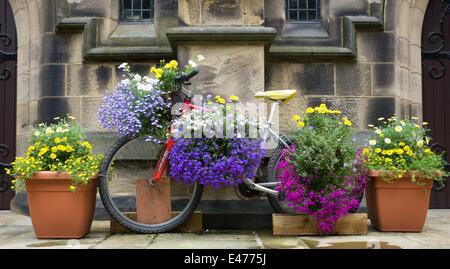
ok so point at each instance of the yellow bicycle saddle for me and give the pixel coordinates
(284, 96)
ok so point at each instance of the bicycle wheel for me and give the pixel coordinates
(126, 170)
(272, 176)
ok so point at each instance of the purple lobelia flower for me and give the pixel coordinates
(137, 106)
(215, 162)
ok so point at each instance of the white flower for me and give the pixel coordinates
(388, 141)
(398, 129)
(378, 132)
(420, 143)
(192, 63)
(372, 142)
(200, 58)
(137, 77)
(123, 66)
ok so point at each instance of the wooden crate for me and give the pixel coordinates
(290, 224)
(194, 224)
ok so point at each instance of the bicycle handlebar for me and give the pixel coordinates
(187, 77)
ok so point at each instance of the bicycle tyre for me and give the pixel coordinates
(117, 215)
(275, 203)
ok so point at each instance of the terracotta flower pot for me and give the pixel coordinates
(57, 212)
(401, 206)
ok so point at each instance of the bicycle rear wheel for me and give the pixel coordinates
(132, 159)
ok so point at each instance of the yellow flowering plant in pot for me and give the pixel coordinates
(402, 170)
(59, 173)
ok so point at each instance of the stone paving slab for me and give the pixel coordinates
(16, 232)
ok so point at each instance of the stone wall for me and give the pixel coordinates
(363, 57)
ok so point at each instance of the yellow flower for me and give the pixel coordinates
(217, 98)
(420, 143)
(57, 140)
(428, 151)
(401, 144)
(53, 156)
(222, 101)
(324, 106)
(234, 98)
(158, 76)
(398, 129)
(153, 70)
(54, 149)
(387, 141)
(42, 151)
(372, 142)
(301, 124)
(389, 152)
(64, 139)
(72, 188)
(174, 64)
(61, 148)
(399, 151)
(347, 122)
(31, 148)
(310, 110)
(168, 66)
(388, 160)
(337, 112)
(378, 150)
(406, 148)
(296, 118)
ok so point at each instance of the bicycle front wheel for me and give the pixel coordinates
(129, 197)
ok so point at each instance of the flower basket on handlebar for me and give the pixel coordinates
(141, 105)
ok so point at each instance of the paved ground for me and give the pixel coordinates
(16, 232)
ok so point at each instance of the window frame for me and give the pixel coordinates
(122, 10)
(318, 11)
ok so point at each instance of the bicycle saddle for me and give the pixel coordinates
(284, 96)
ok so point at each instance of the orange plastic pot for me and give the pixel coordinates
(400, 206)
(57, 212)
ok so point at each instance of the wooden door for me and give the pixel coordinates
(8, 81)
(436, 83)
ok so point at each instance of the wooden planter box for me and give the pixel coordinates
(290, 224)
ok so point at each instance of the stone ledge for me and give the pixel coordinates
(348, 52)
(221, 33)
(93, 52)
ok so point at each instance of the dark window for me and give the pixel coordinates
(302, 10)
(137, 10)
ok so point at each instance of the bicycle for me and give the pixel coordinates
(132, 154)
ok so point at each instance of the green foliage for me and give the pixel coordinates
(59, 147)
(400, 146)
(324, 147)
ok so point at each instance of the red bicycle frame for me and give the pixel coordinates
(168, 145)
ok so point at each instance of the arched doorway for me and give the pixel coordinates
(436, 82)
(8, 91)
